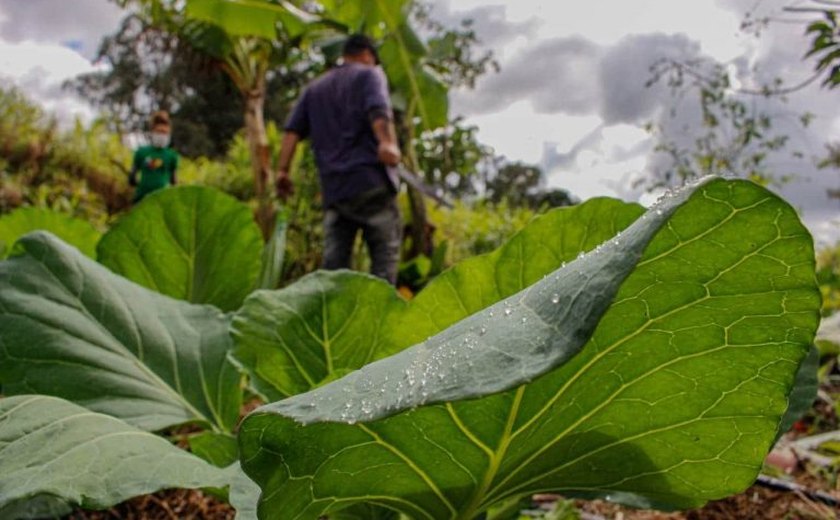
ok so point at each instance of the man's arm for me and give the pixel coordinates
(386, 135)
(283, 183)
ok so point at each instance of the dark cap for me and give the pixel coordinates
(357, 44)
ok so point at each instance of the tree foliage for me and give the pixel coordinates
(76, 171)
(728, 134)
(150, 68)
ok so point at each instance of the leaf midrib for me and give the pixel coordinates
(129, 354)
(623, 340)
(496, 459)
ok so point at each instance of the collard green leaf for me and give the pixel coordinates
(244, 493)
(51, 447)
(219, 449)
(76, 232)
(293, 339)
(36, 508)
(72, 329)
(670, 398)
(191, 243)
(274, 253)
(829, 331)
(280, 336)
(805, 389)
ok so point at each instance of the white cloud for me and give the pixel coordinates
(589, 62)
(556, 76)
(520, 132)
(40, 70)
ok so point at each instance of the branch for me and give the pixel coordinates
(767, 91)
(791, 9)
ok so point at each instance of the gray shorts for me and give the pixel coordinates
(377, 215)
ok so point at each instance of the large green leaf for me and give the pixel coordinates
(330, 323)
(76, 232)
(192, 243)
(403, 57)
(219, 449)
(672, 400)
(293, 339)
(274, 254)
(244, 493)
(71, 328)
(37, 507)
(373, 17)
(258, 18)
(52, 448)
(805, 389)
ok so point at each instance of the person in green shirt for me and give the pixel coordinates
(156, 163)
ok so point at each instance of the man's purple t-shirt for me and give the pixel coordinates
(335, 111)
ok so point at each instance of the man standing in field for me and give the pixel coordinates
(156, 163)
(346, 113)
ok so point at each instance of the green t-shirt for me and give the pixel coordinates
(156, 166)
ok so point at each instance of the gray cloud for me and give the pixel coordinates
(80, 26)
(552, 159)
(575, 76)
(625, 70)
(489, 21)
(40, 87)
(557, 76)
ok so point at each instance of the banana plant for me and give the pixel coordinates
(417, 90)
(260, 35)
(244, 39)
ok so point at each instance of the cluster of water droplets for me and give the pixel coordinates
(446, 361)
(676, 192)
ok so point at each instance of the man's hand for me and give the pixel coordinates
(283, 185)
(389, 153)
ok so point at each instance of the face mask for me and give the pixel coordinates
(160, 140)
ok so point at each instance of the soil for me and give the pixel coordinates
(175, 504)
(754, 504)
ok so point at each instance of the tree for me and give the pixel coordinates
(736, 135)
(149, 69)
(523, 185)
(825, 33)
(452, 158)
(244, 42)
(420, 72)
(825, 48)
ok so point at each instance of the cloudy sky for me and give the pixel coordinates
(571, 93)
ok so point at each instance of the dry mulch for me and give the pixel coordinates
(175, 504)
(756, 503)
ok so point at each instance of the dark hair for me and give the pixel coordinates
(160, 117)
(359, 43)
